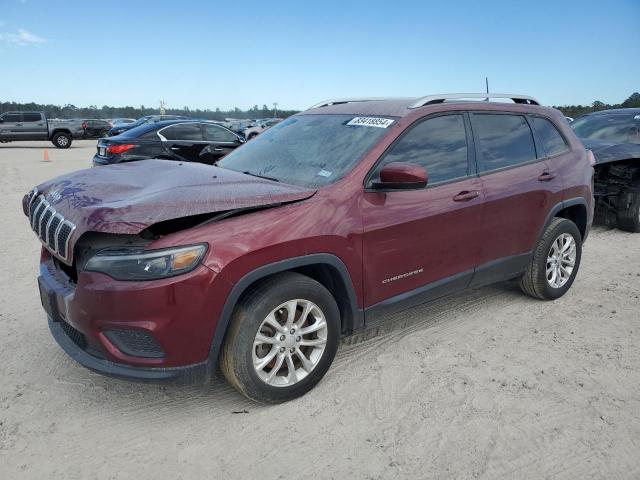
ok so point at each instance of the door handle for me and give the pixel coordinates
(217, 149)
(175, 148)
(546, 177)
(466, 195)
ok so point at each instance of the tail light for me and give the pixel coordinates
(118, 149)
(591, 158)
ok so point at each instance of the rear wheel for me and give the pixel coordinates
(628, 214)
(555, 261)
(282, 340)
(62, 140)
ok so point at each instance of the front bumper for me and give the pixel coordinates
(185, 375)
(172, 316)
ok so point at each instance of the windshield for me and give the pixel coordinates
(307, 150)
(614, 128)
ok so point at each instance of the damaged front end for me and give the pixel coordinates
(133, 204)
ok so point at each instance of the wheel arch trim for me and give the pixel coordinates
(557, 208)
(355, 314)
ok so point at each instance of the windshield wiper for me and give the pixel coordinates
(261, 176)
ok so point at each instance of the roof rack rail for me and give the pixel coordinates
(337, 101)
(434, 99)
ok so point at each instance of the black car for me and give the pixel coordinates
(614, 138)
(95, 128)
(185, 140)
(123, 127)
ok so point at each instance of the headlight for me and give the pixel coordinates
(138, 264)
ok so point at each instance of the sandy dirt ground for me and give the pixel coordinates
(487, 384)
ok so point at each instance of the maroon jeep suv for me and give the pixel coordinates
(319, 227)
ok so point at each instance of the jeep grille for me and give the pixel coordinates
(51, 227)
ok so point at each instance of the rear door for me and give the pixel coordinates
(183, 141)
(34, 126)
(419, 244)
(520, 189)
(11, 127)
(220, 142)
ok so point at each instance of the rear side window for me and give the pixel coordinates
(505, 140)
(438, 144)
(214, 133)
(31, 117)
(12, 117)
(185, 131)
(551, 140)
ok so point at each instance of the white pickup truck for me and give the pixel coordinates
(19, 126)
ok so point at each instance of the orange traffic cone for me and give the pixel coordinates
(46, 156)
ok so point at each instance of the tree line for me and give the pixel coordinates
(92, 111)
(575, 111)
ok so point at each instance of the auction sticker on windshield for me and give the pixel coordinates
(371, 122)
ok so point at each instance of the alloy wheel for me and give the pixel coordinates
(561, 260)
(289, 343)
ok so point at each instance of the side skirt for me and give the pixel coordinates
(486, 274)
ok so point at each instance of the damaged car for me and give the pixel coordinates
(322, 226)
(614, 138)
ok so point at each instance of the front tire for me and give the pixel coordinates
(282, 340)
(62, 140)
(628, 214)
(555, 261)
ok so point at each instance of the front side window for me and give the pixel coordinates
(31, 117)
(214, 133)
(309, 150)
(547, 133)
(614, 128)
(505, 140)
(438, 144)
(184, 131)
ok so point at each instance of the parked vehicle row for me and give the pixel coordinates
(258, 127)
(123, 127)
(322, 225)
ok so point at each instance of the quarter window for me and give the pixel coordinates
(184, 131)
(438, 144)
(548, 134)
(214, 133)
(505, 140)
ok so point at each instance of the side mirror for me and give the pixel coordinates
(401, 176)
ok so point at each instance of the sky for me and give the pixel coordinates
(208, 54)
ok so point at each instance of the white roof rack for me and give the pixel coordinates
(337, 101)
(433, 99)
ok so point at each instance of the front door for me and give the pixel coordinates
(420, 244)
(34, 126)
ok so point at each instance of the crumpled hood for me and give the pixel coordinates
(127, 198)
(606, 152)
